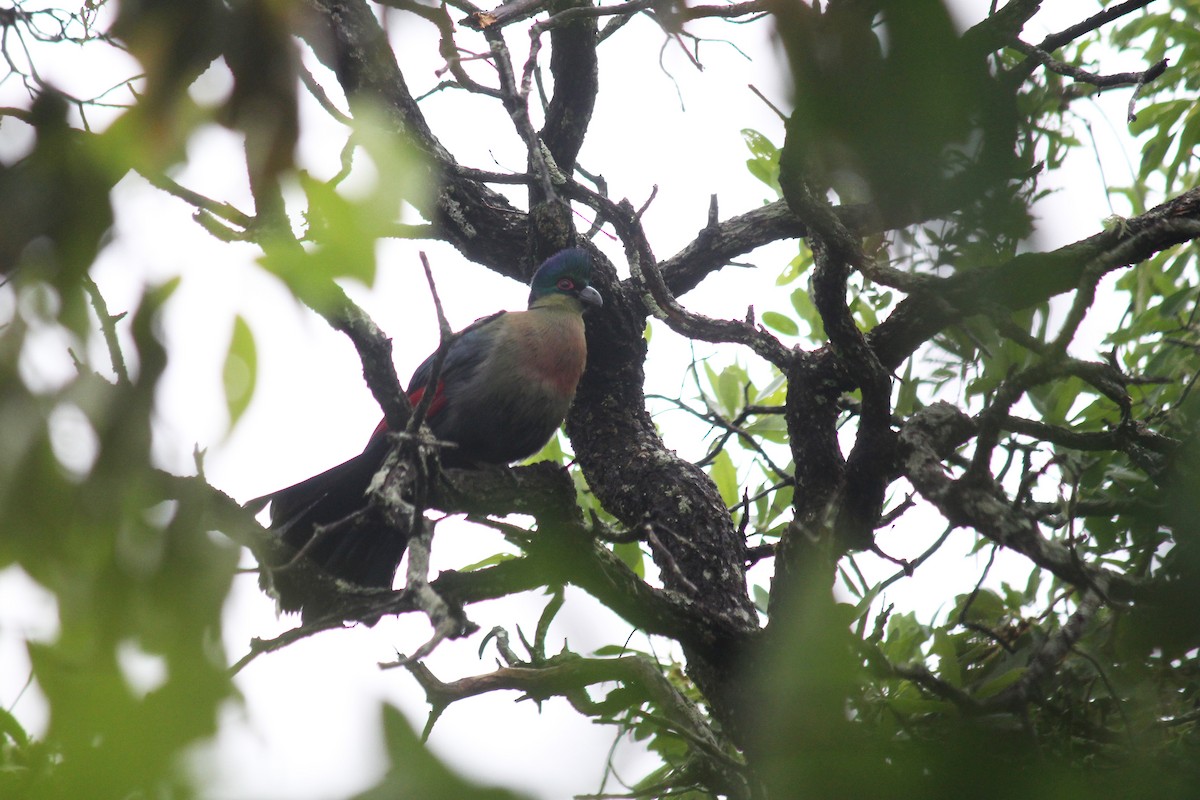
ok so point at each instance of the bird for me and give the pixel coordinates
(505, 386)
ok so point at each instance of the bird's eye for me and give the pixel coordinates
(566, 284)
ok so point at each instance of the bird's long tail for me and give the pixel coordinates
(325, 517)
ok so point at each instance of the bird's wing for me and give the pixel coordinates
(470, 348)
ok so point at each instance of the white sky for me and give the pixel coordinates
(308, 727)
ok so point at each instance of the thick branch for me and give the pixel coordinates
(1002, 26)
(639, 480)
(375, 352)
(568, 552)
(575, 68)
(562, 550)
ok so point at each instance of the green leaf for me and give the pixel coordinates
(724, 474)
(1054, 400)
(760, 146)
(762, 598)
(912, 704)
(905, 638)
(11, 729)
(795, 268)
(490, 561)
(345, 225)
(986, 607)
(906, 395)
(764, 161)
(947, 655)
(730, 388)
(775, 391)
(802, 302)
(631, 553)
(780, 322)
(714, 380)
(1000, 682)
(416, 772)
(614, 650)
(772, 427)
(240, 373)
(552, 451)
(1161, 115)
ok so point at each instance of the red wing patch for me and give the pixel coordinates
(414, 397)
(439, 398)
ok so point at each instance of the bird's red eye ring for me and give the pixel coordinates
(566, 284)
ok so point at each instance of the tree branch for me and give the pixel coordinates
(575, 68)
(1032, 278)
(481, 223)
(375, 351)
(977, 503)
(1048, 657)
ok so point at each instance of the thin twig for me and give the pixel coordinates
(108, 326)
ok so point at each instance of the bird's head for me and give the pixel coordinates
(566, 275)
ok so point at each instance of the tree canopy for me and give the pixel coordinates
(920, 377)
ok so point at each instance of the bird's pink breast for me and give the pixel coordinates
(556, 355)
